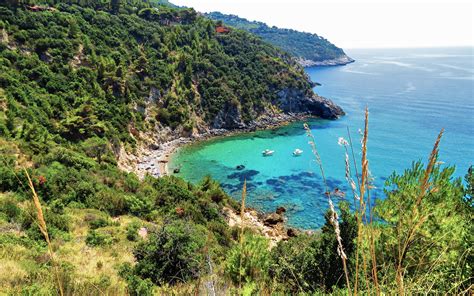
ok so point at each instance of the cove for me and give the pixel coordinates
(411, 95)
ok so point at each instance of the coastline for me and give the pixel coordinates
(174, 145)
(154, 154)
(341, 61)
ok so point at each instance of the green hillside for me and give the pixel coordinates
(83, 82)
(305, 46)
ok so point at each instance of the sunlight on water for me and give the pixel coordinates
(410, 97)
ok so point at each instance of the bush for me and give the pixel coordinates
(311, 262)
(255, 258)
(98, 223)
(95, 238)
(136, 285)
(132, 230)
(171, 254)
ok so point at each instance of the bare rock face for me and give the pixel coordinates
(296, 101)
(229, 117)
(273, 219)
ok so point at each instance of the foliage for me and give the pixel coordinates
(172, 253)
(300, 44)
(442, 229)
(251, 262)
(96, 238)
(311, 262)
(132, 230)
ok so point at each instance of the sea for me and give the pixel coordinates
(411, 94)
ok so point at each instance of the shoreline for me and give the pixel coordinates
(215, 134)
(152, 157)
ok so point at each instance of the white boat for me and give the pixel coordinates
(297, 152)
(267, 152)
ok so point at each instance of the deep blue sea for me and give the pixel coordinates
(411, 95)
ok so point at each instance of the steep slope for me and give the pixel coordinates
(75, 72)
(310, 49)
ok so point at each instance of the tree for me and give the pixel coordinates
(311, 262)
(95, 147)
(425, 240)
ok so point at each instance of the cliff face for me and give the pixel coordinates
(292, 103)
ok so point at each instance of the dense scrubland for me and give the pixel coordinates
(74, 78)
(303, 45)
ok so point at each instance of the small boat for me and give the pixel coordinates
(297, 152)
(267, 152)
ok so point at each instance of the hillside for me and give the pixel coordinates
(310, 49)
(83, 87)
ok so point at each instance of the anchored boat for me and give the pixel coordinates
(267, 152)
(297, 152)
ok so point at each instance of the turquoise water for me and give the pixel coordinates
(411, 95)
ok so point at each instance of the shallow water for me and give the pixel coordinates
(411, 95)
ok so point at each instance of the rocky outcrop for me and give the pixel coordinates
(272, 225)
(340, 61)
(229, 118)
(295, 101)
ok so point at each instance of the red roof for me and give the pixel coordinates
(222, 29)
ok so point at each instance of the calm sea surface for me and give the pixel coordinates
(411, 95)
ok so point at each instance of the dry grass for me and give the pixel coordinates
(42, 226)
(334, 218)
(414, 221)
(242, 216)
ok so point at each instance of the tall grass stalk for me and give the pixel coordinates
(334, 219)
(242, 216)
(361, 212)
(42, 226)
(415, 220)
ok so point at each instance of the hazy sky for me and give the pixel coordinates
(360, 24)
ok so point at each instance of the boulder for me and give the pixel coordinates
(280, 210)
(273, 219)
(292, 232)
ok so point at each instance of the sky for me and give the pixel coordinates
(360, 24)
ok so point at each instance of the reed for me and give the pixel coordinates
(415, 220)
(334, 219)
(44, 230)
(242, 216)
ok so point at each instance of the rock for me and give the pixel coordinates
(240, 167)
(143, 232)
(280, 210)
(176, 170)
(229, 117)
(292, 232)
(296, 101)
(273, 219)
(46, 57)
(154, 146)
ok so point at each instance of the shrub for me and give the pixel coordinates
(132, 230)
(95, 238)
(98, 223)
(251, 262)
(171, 254)
(136, 285)
(311, 262)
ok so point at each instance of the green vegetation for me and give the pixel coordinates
(300, 44)
(74, 83)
